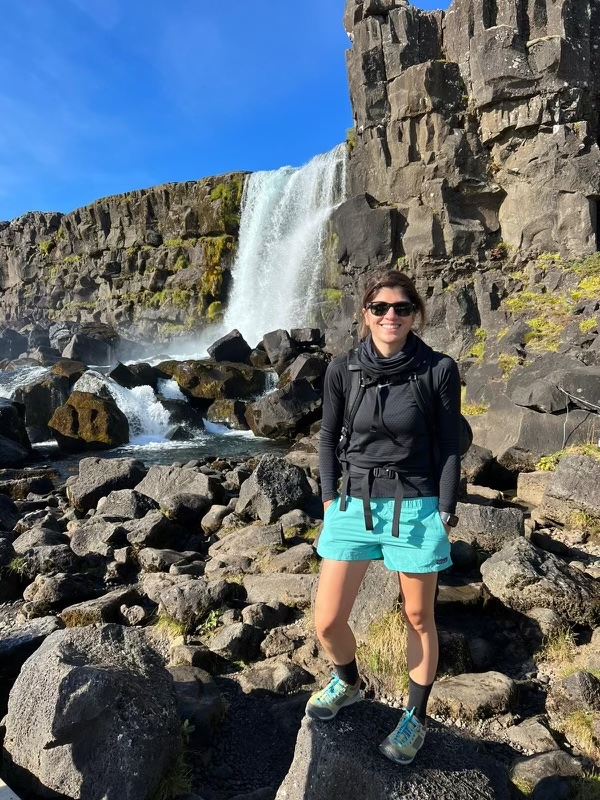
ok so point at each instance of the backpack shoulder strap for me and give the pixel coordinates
(355, 391)
(423, 393)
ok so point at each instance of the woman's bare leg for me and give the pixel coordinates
(339, 583)
(418, 598)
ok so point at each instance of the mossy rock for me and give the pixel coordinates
(88, 422)
(209, 380)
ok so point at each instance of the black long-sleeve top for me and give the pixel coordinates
(404, 440)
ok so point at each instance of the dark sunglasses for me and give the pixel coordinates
(402, 309)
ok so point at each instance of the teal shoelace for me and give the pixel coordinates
(330, 691)
(406, 729)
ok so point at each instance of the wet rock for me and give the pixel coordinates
(89, 422)
(231, 347)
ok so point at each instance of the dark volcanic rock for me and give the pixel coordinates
(88, 422)
(275, 487)
(231, 347)
(284, 412)
(99, 476)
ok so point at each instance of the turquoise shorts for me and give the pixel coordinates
(422, 545)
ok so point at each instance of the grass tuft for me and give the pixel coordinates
(169, 626)
(177, 781)
(559, 648)
(383, 653)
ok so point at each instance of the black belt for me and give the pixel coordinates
(367, 476)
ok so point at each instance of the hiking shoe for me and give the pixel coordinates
(326, 703)
(405, 741)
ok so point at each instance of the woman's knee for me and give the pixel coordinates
(418, 618)
(327, 625)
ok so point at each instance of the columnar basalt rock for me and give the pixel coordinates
(475, 126)
(152, 261)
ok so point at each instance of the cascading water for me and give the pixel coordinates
(276, 275)
(149, 420)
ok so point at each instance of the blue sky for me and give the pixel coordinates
(104, 96)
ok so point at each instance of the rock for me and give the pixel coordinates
(107, 682)
(97, 535)
(296, 560)
(211, 521)
(475, 464)
(191, 600)
(155, 530)
(41, 398)
(464, 555)
(12, 343)
(187, 655)
(277, 675)
(212, 380)
(534, 769)
(238, 642)
(378, 595)
(281, 641)
(89, 422)
(572, 488)
(307, 366)
(491, 528)
(532, 735)
(293, 590)
(329, 763)
(280, 349)
(542, 624)
(185, 508)
(9, 514)
(275, 487)
(48, 559)
(231, 347)
(163, 482)
(524, 577)
(472, 695)
(99, 476)
(102, 609)
(199, 702)
(35, 537)
(11, 453)
(12, 424)
(580, 691)
(543, 539)
(455, 653)
(126, 503)
(152, 559)
(531, 486)
(265, 616)
(228, 412)
(285, 412)
(16, 645)
(252, 541)
(89, 350)
(52, 592)
(365, 233)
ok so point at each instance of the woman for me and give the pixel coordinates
(397, 500)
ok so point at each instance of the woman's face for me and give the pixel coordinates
(389, 331)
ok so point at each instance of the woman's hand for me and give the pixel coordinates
(326, 505)
(447, 528)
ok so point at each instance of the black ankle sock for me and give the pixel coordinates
(348, 672)
(417, 698)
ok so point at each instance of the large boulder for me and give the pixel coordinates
(41, 398)
(213, 380)
(12, 423)
(163, 482)
(99, 477)
(328, 762)
(231, 347)
(12, 343)
(88, 422)
(283, 413)
(491, 528)
(275, 487)
(92, 713)
(11, 453)
(280, 349)
(574, 487)
(524, 577)
(89, 349)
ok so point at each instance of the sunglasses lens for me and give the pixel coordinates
(402, 309)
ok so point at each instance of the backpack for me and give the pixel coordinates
(423, 393)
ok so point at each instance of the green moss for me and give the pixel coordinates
(588, 325)
(175, 297)
(351, 139)
(211, 282)
(177, 242)
(214, 310)
(331, 295)
(507, 363)
(181, 263)
(71, 259)
(478, 349)
(229, 193)
(46, 246)
(550, 462)
(59, 235)
(501, 334)
(587, 289)
(54, 271)
(214, 247)
(545, 334)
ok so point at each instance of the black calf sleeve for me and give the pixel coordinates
(417, 698)
(348, 672)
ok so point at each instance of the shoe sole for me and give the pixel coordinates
(311, 712)
(393, 757)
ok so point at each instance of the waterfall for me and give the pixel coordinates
(21, 376)
(149, 420)
(277, 271)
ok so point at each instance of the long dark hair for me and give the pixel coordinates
(392, 279)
